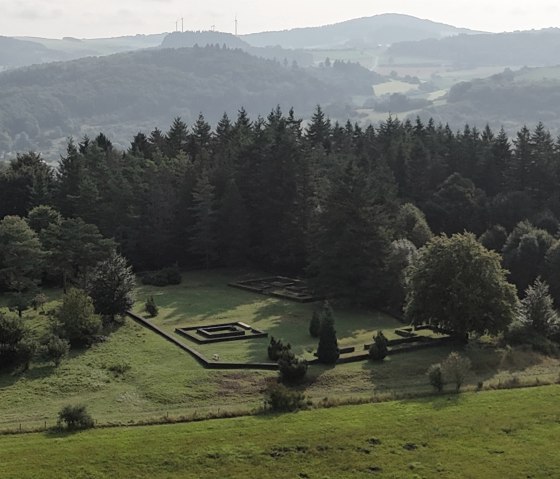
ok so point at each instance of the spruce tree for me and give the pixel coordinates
(327, 351)
(203, 239)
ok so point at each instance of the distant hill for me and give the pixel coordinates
(75, 48)
(203, 38)
(16, 53)
(361, 32)
(126, 92)
(527, 48)
(510, 99)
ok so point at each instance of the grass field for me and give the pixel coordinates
(496, 434)
(158, 378)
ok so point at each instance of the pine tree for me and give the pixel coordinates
(203, 240)
(537, 309)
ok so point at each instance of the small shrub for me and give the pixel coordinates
(162, 277)
(455, 369)
(151, 307)
(25, 352)
(435, 376)
(379, 349)
(119, 368)
(74, 418)
(39, 301)
(277, 348)
(291, 369)
(56, 349)
(315, 325)
(281, 399)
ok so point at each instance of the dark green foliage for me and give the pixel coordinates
(41, 217)
(494, 238)
(411, 224)
(21, 255)
(537, 310)
(56, 349)
(151, 307)
(401, 256)
(163, 277)
(291, 369)
(281, 399)
(315, 324)
(276, 349)
(350, 239)
(76, 320)
(458, 285)
(111, 287)
(379, 349)
(74, 418)
(203, 238)
(435, 377)
(13, 340)
(524, 253)
(25, 352)
(327, 350)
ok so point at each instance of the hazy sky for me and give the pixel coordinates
(101, 18)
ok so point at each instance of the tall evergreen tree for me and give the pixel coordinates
(203, 239)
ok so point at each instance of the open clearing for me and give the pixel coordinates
(487, 435)
(135, 375)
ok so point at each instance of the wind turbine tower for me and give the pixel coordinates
(236, 23)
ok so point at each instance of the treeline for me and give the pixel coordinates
(42, 104)
(346, 206)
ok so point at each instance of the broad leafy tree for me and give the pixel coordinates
(456, 284)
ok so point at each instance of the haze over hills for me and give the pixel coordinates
(527, 48)
(361, 32)
(190, 39)
(17, 53)
(127, 92)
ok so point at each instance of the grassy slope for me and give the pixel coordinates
(491, 435)
(162, 379)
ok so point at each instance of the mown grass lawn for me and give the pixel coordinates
(159, 379)
(497, 434)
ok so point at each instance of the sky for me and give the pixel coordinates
(107, 18)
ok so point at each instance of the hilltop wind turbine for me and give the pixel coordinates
(236, 24)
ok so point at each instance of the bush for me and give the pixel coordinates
(281, 399)
(291, 369)
(327, 350)
(379, 349)
(76, 320)
(56, 349)
(74, 418)
(25, 352)
(435, 376)
(455, 369)
(162, 277)
(276, 349)
(151, 307)
(315, 325)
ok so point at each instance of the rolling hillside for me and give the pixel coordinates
(361, 32)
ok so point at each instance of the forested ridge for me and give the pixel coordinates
(137, 90)
(343, 205)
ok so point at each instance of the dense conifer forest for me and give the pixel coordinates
(342, 205)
